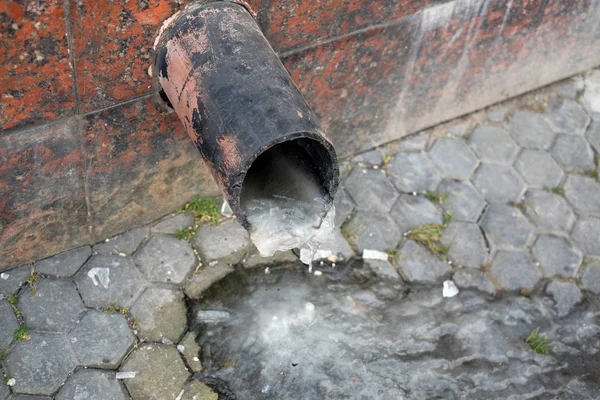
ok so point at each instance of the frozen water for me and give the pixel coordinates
(348, 337)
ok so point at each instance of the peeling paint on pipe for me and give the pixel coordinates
(234, 97)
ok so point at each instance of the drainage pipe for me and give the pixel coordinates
(237, 101)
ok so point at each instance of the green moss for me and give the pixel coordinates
(111, 308)
(436, 197)
(21, 333)
(429, 236)
(13, 299)
(204, 209)
(186, 233)
(447, 219)
(393, 254)
(538, 343)
(556, 190)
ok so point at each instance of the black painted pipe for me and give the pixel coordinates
(236, 101)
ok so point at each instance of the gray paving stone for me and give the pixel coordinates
(255, 260)
(337, 245)
(573, 153)
(344, 207)
(27, 397)
(371, 190)
(493, 144)
(591, 94)
(160, 372)
(411, 211)
(566, 296)
(372, 157)
(383, 269)
(8, 325)
(464, 202)
(91, 384)
(453, 158)
(556, 256)
(515, 271)
(571, 88)
(418, 265)
(190, 351)
(173, 223)
(196, 390)
(531, 130)
(549, 212)
(459, 130)
(11, 280)
(373, 231)
(4, 391)
(497, 113)
(469, 278)
(165, 259)
(568, 117)
(467, 245)
(160, 315)
(506, 228)
(584, 194)
(109, 280)
(41, 364)
(205, 277)
(416, 142)
(538, 169)
(498, 183)
(101, 339)
(227, 242)
(64, 264)
(413, 172)
(125, 243)
(586, 236)
(590, 279)
(54, 307)
(593, 135)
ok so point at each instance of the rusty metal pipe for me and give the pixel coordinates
(236, 100)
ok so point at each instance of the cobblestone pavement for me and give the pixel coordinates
(505, 201)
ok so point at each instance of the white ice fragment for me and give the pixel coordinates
(166, 341)
(212, 316)
(180, 395)
(450, 289)
(11, 382)
(309, 306)
(196, 359)
(275, 318)
(102, 274)
(213, 263)
(180, 348)
(125, 375)
(318, 273)
(226, 210)
(305, 255)
(267, 271)
(374, 255)
(4, 275)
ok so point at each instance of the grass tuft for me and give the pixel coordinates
(21, 333)
(111, 308)
(204, 209)
(447, 219)
(436, 197)
(538, 343)
(429, 236)
(13, 299)
(393, 254)
(556, 190)
(186, 233)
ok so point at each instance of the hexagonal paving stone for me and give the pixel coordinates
(497, 113)
(372, 157)
(584, 194)
(190, 351)
(570, 88)
(593, 135)
(538, 169)
(531, 130)
(125, 243)
(344, 206)
(453, 158)
(91, 384)
(505, 227)
(173, 223)
(205, 277)
(573, 153)
(7, 326)
(27, 397)
(54, 307)
(371, 190)
(64, 264)
(11, 280)
(413, 172)
(591, 94)
(101, 339)
(464, 202)
(493, 144)
(411, 211)
(372, 231)
(469, 278)
(160, 315)
(418, 265)
(498, 183)
(41, 364)
(515, 271)
(4, 392)
(566, 296)
(165, 259)
(568, 117)
(586, 236)
(466, 242)
(556, 256)
(109, 280)
(227, 242)
(416, 142)
(590, 279)
(160, 372)
(549, 211)
(196, 390)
